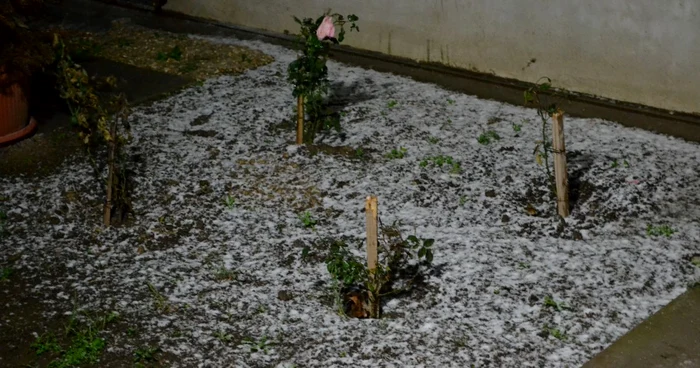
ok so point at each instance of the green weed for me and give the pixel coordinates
(486, 137)
(5, 273)
(307, 220)
(46, 343)
(85, 347)
(260, 345)
(664, 230)
(392, 104)
(463, 200)
(230, 202)
(359, 152)
(396, 153)
(175, 53)
(433, 140)
(224, 274)
(223, 337)
(559, 306)
(440, 160)
(554, 332)
(160, 302)
(695, 260)
(146, 354)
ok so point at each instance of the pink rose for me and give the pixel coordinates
(326, 29)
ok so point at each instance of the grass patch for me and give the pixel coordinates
(85, 345)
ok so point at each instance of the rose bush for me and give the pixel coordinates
(309, 74)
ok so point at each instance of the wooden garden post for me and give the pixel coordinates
(300, 119)
(110, 174)
(560, 175)
(372, 258)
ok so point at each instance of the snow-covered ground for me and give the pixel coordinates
(495, 262)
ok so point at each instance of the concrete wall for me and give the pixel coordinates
(641, 51)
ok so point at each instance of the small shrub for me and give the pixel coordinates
(357, 286)
(309, 73)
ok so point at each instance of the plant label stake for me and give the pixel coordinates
(300, 119)
(372, 239)
(560, 175)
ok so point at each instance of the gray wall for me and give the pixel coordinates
(641, 51)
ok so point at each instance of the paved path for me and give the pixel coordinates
(668, 339)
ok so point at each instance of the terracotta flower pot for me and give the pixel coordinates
(15, 122)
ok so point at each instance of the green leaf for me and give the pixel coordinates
(421, 252)
(429, 255)
(428, 243)
(412, 239)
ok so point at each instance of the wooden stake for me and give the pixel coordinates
(110, 174)
(300, 119)
(560, 175)
(372, 258)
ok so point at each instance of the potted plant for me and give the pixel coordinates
(99, 113)
(22, 53)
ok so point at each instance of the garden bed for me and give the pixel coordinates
(164, 52)
(217, 267)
